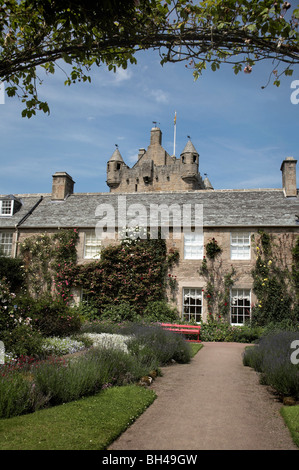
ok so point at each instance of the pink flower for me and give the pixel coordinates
(247, 69)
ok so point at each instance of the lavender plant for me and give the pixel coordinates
(271, 357)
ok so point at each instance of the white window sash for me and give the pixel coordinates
(240, 246)
(239, 305)
(6, 243)
(193, 245)
(6, 207)
(92, 246)
(192, 311)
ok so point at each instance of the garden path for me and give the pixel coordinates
(213, 403)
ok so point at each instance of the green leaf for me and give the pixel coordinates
(67, 59)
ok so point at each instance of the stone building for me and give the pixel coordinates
(156, 170)
(171, 195)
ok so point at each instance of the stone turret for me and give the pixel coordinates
(114, 169)
(156, 169)
(189, 163)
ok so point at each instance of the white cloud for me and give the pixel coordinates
(122, 75)
(160, 96)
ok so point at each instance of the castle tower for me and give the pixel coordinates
(156, 169)
(114, 169)
(189, 163)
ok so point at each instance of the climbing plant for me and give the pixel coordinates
(218, 282)
(275, 279)
(134, 272)
(49, 260)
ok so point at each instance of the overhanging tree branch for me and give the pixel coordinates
(217, 32)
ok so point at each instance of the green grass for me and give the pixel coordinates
(291, 416)
(195, 347)
(87, 424)
(91, 423)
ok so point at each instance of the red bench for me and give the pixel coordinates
(183, 329)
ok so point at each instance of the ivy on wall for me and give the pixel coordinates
(135, 273)
(49, 261)
(218, 282)
(275, 279)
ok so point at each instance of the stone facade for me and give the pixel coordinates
(164, 182)
(156, 170)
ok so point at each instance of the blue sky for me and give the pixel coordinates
(241, 132)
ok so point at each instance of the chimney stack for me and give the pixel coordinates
(62, 186)
(156, 136)
(288, 169)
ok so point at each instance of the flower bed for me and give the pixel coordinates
(113, 360)
(108, 340)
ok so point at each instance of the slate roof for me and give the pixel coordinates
(221, 208)
(189, 148)
(116, 156)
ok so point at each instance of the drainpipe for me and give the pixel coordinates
(22, 221)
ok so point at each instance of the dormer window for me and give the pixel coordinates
(9, 205)
(6, 207)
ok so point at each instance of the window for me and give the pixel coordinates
(193, 245)
(192, 304)
(84, 297)
(6, 243)
(240, 309)
(6, 207)
(240, 245)
(92, 247)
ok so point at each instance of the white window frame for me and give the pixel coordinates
(240, 295)
(3, 209)
(93, 244)
(192, 308)
(240, 245)
(6, 240)
(193, 245)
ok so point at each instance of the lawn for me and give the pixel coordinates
(291, 417)
(91, 423)
(87, 424)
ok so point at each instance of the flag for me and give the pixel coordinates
(175, 118)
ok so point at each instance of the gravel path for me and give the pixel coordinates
(213, 403)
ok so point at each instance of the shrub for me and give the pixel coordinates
(119, 312)
(154, 342)
(22, 340)
(67, 381)
(160, 311)
(134, 272)
(30, 386)
(16, 394)
(50, 316)
(87, 311)
(60, 346)
(222, 331)
(7, 300)
(64, 382)
(12, 270)
(271, 357)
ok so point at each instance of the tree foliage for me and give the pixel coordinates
(50, 33)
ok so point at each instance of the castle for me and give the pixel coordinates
(156, 170)
(159, 180)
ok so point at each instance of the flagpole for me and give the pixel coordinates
(174, 134)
